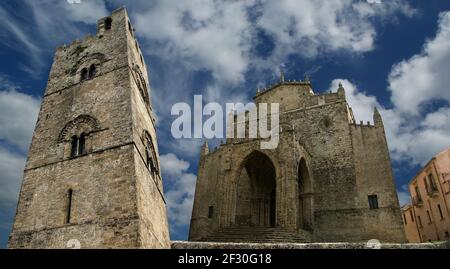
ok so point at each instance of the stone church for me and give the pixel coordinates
(92, 177)
(330, 178)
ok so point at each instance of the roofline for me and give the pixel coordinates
(422, 169)
(280, 84)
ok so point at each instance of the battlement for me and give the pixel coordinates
(103, 25)
(114, 46)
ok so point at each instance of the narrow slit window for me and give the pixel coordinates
(429, 217)
(69, 205)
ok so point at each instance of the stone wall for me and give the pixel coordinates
(115, 201)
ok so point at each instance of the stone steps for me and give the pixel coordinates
(259, 235)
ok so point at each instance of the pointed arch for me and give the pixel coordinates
(255, 201)
(141, 83)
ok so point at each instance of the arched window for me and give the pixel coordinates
(82, 144)
(74, 146)
(84, 74)
(92, 71)
(108, 23)
(141, 83)
(150, 156)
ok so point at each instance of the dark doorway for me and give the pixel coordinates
(256, 192)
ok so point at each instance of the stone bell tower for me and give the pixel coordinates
(92, 177)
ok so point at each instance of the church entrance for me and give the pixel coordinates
(256, 192)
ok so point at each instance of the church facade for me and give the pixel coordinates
(330, 178)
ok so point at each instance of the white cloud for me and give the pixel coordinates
(180, 196)
(418, 139)
(362, 104)
(310, 27)
(173, 166)
(11, 171)
(85, 11)
(211, 35)
(180, 199)
(220, 36)
(424, 77)
(18, 114)
(189, 147)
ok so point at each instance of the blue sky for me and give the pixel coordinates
(394, 55)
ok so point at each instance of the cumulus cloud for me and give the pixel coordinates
(212, 35)
(220, 36)
(417, 139)
(362, 103)
(18, 113)
(310, 27)
(180, 199)
(173, 166)
(180, 196)
(424, 77)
